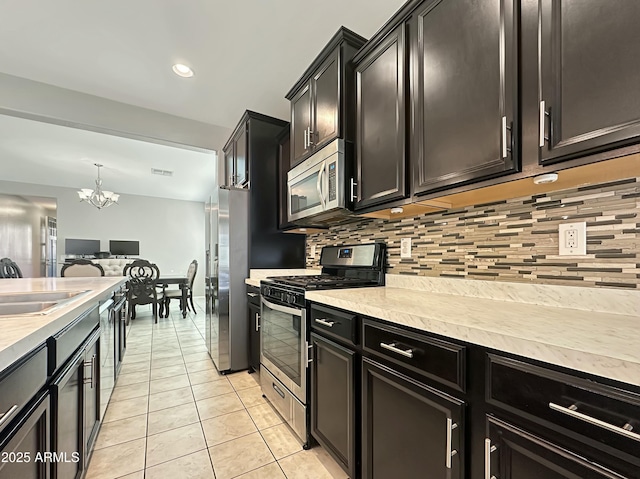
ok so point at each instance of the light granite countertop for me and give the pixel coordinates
(22, 333)
(596, 342)
(256, 275)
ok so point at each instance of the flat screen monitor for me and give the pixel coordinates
(81, 246)
(131, 248)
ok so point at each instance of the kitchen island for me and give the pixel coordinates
(57, 371)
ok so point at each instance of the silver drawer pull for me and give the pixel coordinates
(449, 451)
(407, 353)
(573, 412)
(325, 322)
(5, 417)
(278, 390)
(253, 295)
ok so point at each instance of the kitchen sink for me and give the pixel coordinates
(36, 303)
(30, 307)
(38, 296)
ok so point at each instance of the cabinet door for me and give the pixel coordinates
(464, 92)
(512, 453)
(284, 160)
(91, 394)
(333, 421)
(240, 157)
(229, 166)
(22, 449)
(325, 90)
(380, 123)
(589, 69)
(254, 336)
(67, 392)
(408, 428)
(300, 124)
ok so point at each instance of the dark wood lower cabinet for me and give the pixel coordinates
(513, 453)
(22, 449)
(333, 398)
(91, 394)
(409, 429)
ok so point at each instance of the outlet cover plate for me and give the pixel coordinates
(572, 239)
(405, 248)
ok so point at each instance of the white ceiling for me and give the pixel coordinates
(47, 154)
(246, 53)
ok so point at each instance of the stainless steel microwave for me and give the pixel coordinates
(316, 188)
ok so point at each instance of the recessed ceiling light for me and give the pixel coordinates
(397, 210)
(182, 70)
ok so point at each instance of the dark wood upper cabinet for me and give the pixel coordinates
(326, 93)
(240, 157)
(589, 74)
(235, 158)
(322, 99)
(300, 123)
(229, 166)
(464, 92)
(380, 122)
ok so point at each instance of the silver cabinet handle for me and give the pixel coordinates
(488, 449)
(309, 140)
(505, 149)
(305, 139)
(450, 452)
(307, 352)
(257, 322)
(543, 122)
(253, 295)
(354, 197)
(407, 353)
(573, 412)
(324, 322)
(91, 364)
(5, 417)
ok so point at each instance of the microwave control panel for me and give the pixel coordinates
(332, 181)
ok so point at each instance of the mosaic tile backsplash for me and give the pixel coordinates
(514, 240)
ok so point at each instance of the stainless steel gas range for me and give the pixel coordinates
(284, 349)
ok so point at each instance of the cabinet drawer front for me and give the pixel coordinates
(598, 412)
(19, 385)
(338, 324)
(430, 357)
(253, 295)
(67, 341)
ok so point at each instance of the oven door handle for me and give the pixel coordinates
(283, 309)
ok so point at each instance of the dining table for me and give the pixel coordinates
(181, 281)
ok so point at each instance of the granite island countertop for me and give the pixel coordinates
(597, 342)
(20, 334)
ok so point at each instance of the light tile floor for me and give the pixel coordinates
(172, 415)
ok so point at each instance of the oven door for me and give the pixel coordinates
(284, 346)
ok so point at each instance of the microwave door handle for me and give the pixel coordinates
(320, 185)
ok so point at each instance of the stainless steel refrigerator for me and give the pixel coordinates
(28, 233)
(227, 266)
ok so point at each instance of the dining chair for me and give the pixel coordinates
(170, 294)
(143, 287)
(81, 268)
(9, 269)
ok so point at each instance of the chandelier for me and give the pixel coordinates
(97, 197)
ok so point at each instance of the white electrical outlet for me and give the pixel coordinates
(572, 239)
(405, 248)
(313, 251)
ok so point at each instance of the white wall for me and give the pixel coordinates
(171, 232)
